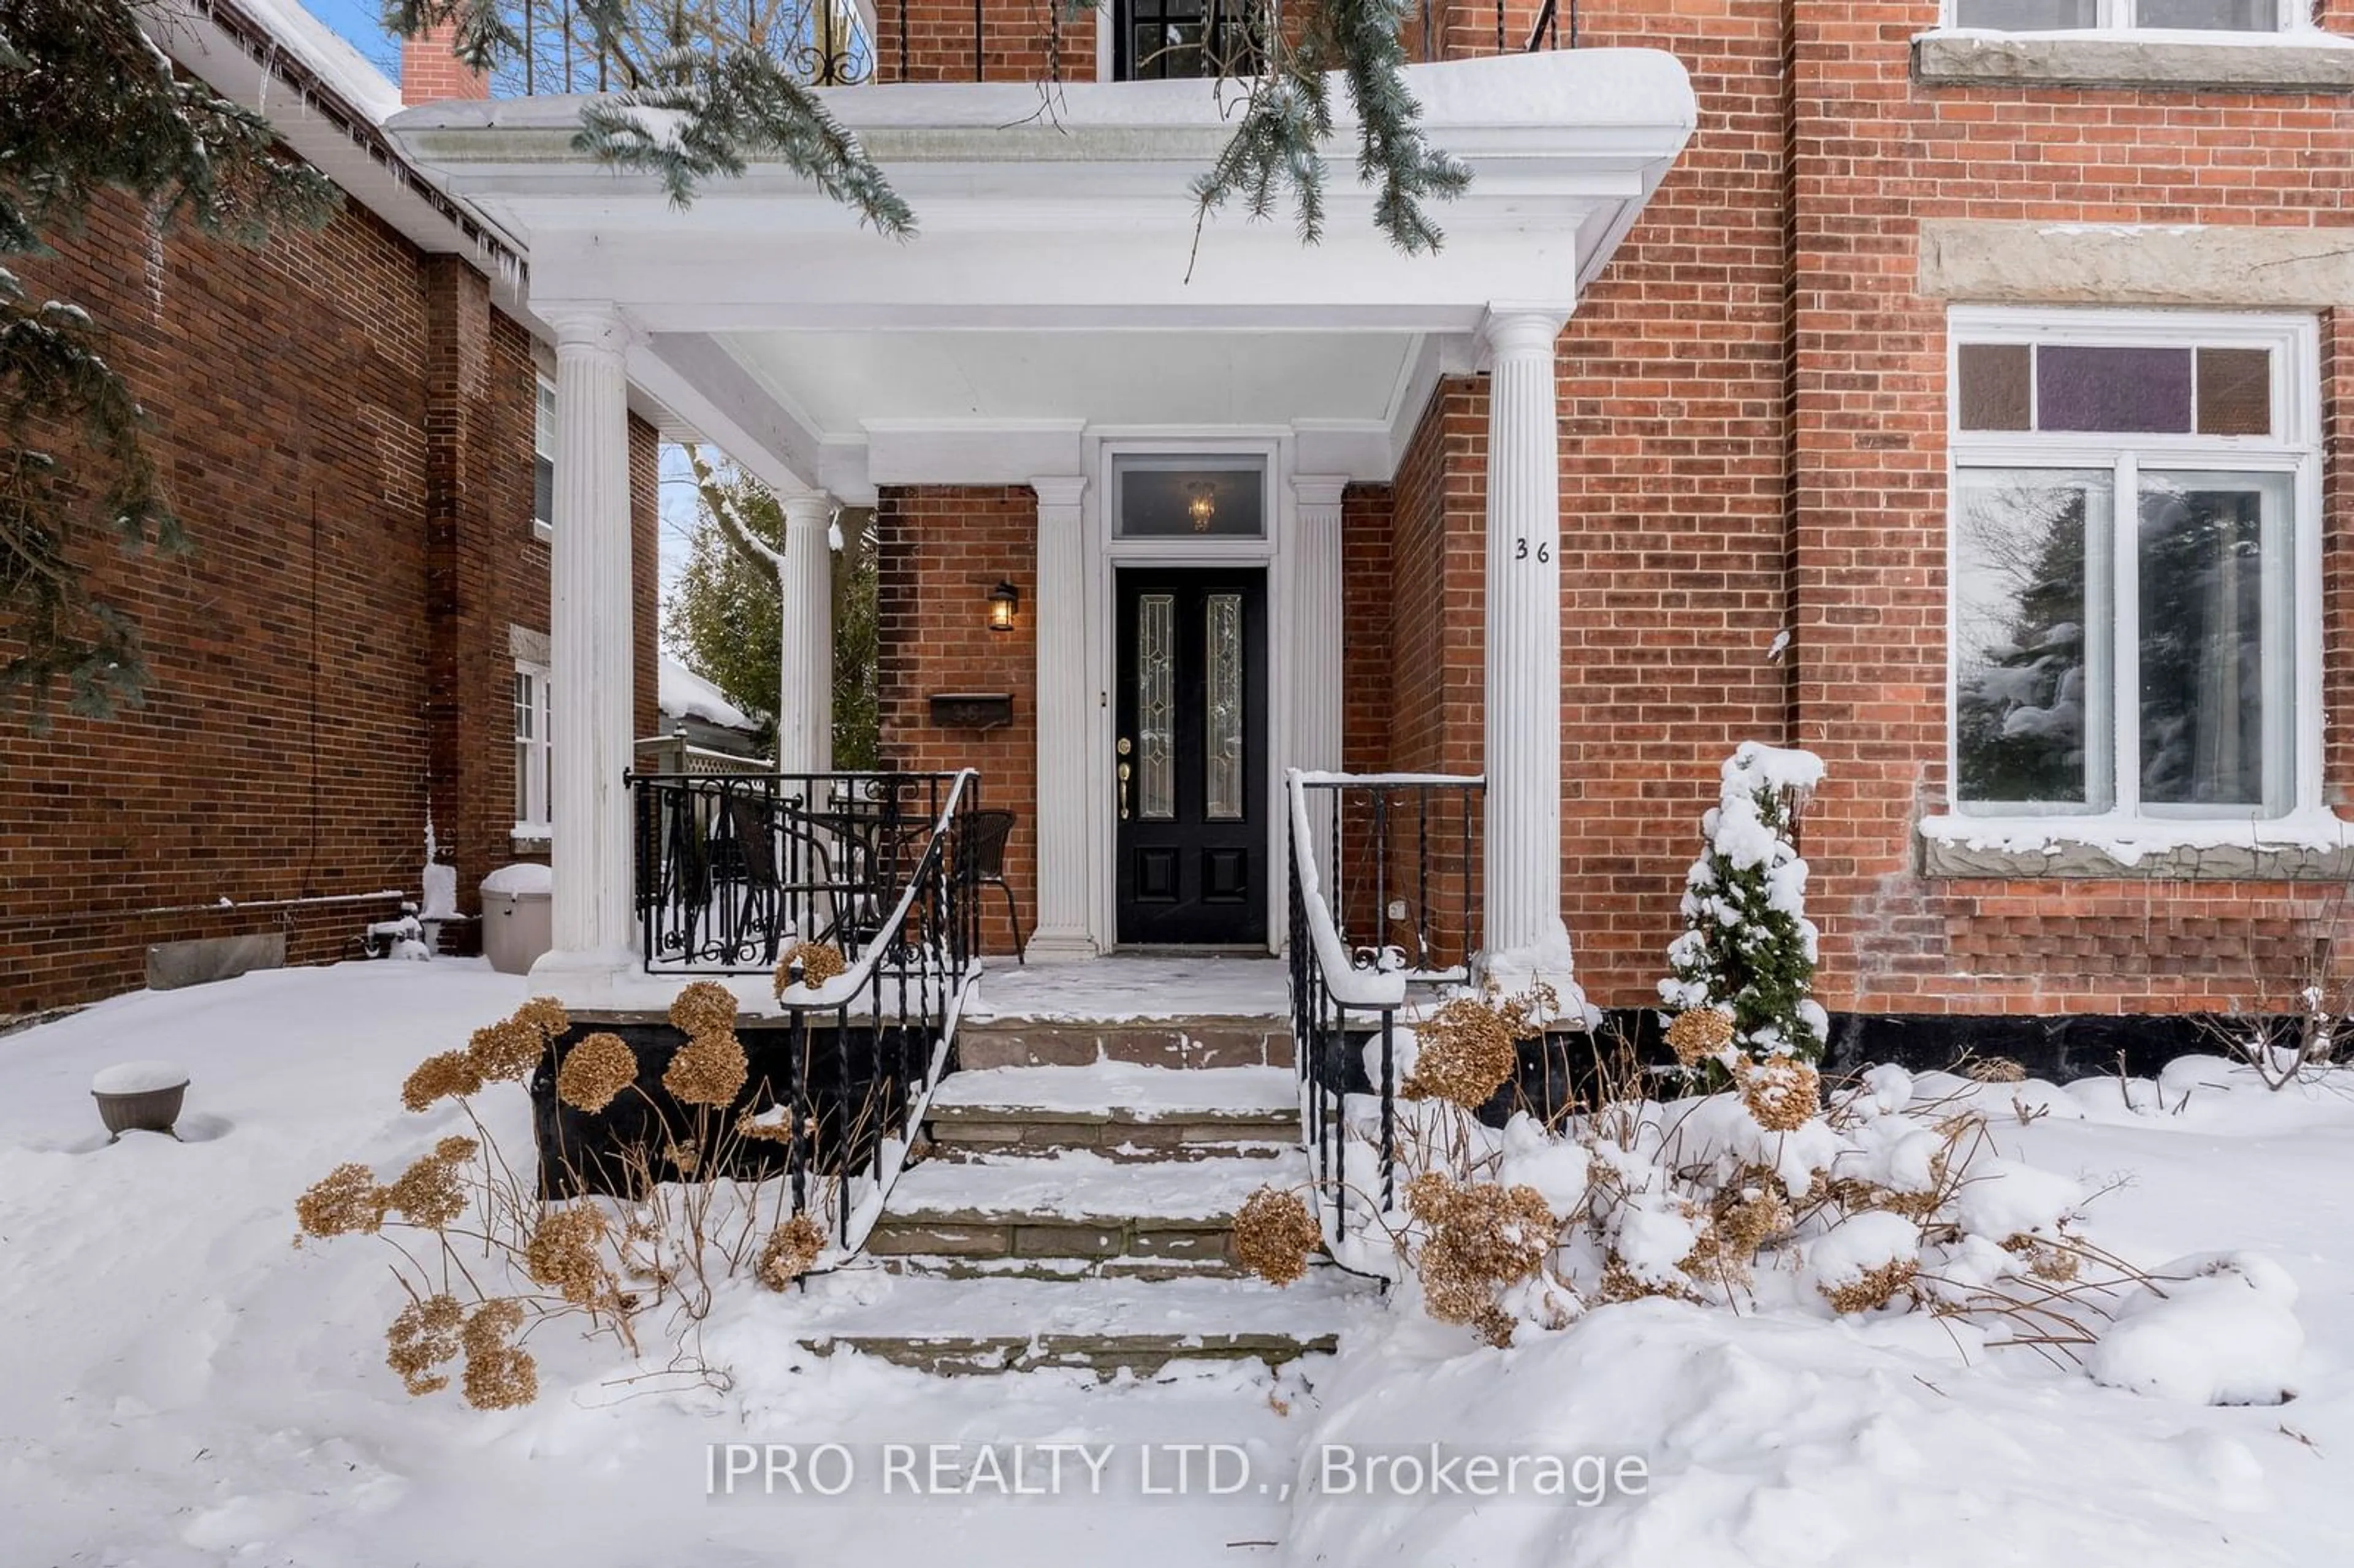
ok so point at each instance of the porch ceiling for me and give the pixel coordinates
(1057, 283)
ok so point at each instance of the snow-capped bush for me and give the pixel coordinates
(1747, 952)
(1890, 1197)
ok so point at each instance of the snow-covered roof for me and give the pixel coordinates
(328, 55)
(685, 694)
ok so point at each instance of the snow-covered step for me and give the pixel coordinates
(1194, 1040)
(1112, 1214)
(1123, 1109)
(991, 1324)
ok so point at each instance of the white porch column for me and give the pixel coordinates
(591, 645)
(1316, 674)
(805, 691)
(1526, 941)
(1059, 607)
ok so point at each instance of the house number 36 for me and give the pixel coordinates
(1520, 551)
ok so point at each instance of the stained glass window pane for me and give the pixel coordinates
(2214, 627)
(2027, 15)
(2080, 387)
(1224, 734)
(2031, 639)
(1156, 706)
(2236, 392)
(1995, 381)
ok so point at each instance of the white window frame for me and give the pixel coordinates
(535, 765)
(543, 450)
(2294, 17)
(2294, 448)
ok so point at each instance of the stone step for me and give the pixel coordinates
(1077, 1203)
(1122, 1109)
(1194, 1040)
(981, 1325)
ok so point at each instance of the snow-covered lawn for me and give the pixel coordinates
(181, 1384)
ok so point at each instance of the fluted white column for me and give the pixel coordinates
(1059, 613)
(1316, 676)
(591, 643)
(1526, 941)
(805, 684)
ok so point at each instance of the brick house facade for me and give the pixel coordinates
(345, 423)
(1754, 411)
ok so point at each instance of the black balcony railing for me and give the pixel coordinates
(733, 869)
(1385, 893)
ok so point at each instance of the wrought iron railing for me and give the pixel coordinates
(842, 1068)
(826, 43)
(889, 1022)
(1383, 893)
(1546, 32)
(733, 869)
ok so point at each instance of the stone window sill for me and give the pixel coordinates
(2301, 62)
(2306, 847)
(531, 839)
(543, 532)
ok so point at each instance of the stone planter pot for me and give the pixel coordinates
(140, 1097)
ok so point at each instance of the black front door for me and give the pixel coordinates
(1191, 767)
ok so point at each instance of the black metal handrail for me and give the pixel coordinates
(891, 1017)
(1384, 871)
(1544, 33)
(731, 869)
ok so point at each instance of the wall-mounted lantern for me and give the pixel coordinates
(1004, 600)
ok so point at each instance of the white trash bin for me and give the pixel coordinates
(515, 916)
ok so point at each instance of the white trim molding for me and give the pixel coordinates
(1059, 606)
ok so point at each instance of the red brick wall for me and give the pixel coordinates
(1674, 494)
(1877, 153)
(939, 550)
(1021, 40)
(1365, 627)
(344, 426)
(1752, 419)
(1438, 552)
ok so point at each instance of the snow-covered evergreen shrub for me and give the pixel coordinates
(1748, 949)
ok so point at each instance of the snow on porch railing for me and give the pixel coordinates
(1382, 888)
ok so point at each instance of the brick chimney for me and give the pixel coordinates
(430, 72)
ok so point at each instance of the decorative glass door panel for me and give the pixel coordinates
(1190, 756)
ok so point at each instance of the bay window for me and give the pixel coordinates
(2135, 629)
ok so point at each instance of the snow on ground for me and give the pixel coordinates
(183, 1386)
(1101, 991)
(1781, 1438)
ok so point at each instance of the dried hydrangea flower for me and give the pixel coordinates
(1464, 1053)
(1997, 1070)
(707, 1007)
(425, 1336)
(499, 1377)
(450, 1074)
(507, 1051)
(545, 1014)
(818, 962)
(428, 1193)
(709, 1070)
(790, 1250)
(774, 1125)
(345, 1201)
(1782, 1093)
(1875, 1288)
(563, 1252)
(1698, 1035)
(595, 1071)
(684, 1158)
(456, 1150)
(1482, 1237)
(1275, 1235)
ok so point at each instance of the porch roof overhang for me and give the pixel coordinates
(1058, 282)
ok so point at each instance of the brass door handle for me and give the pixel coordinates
(1124, 771)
